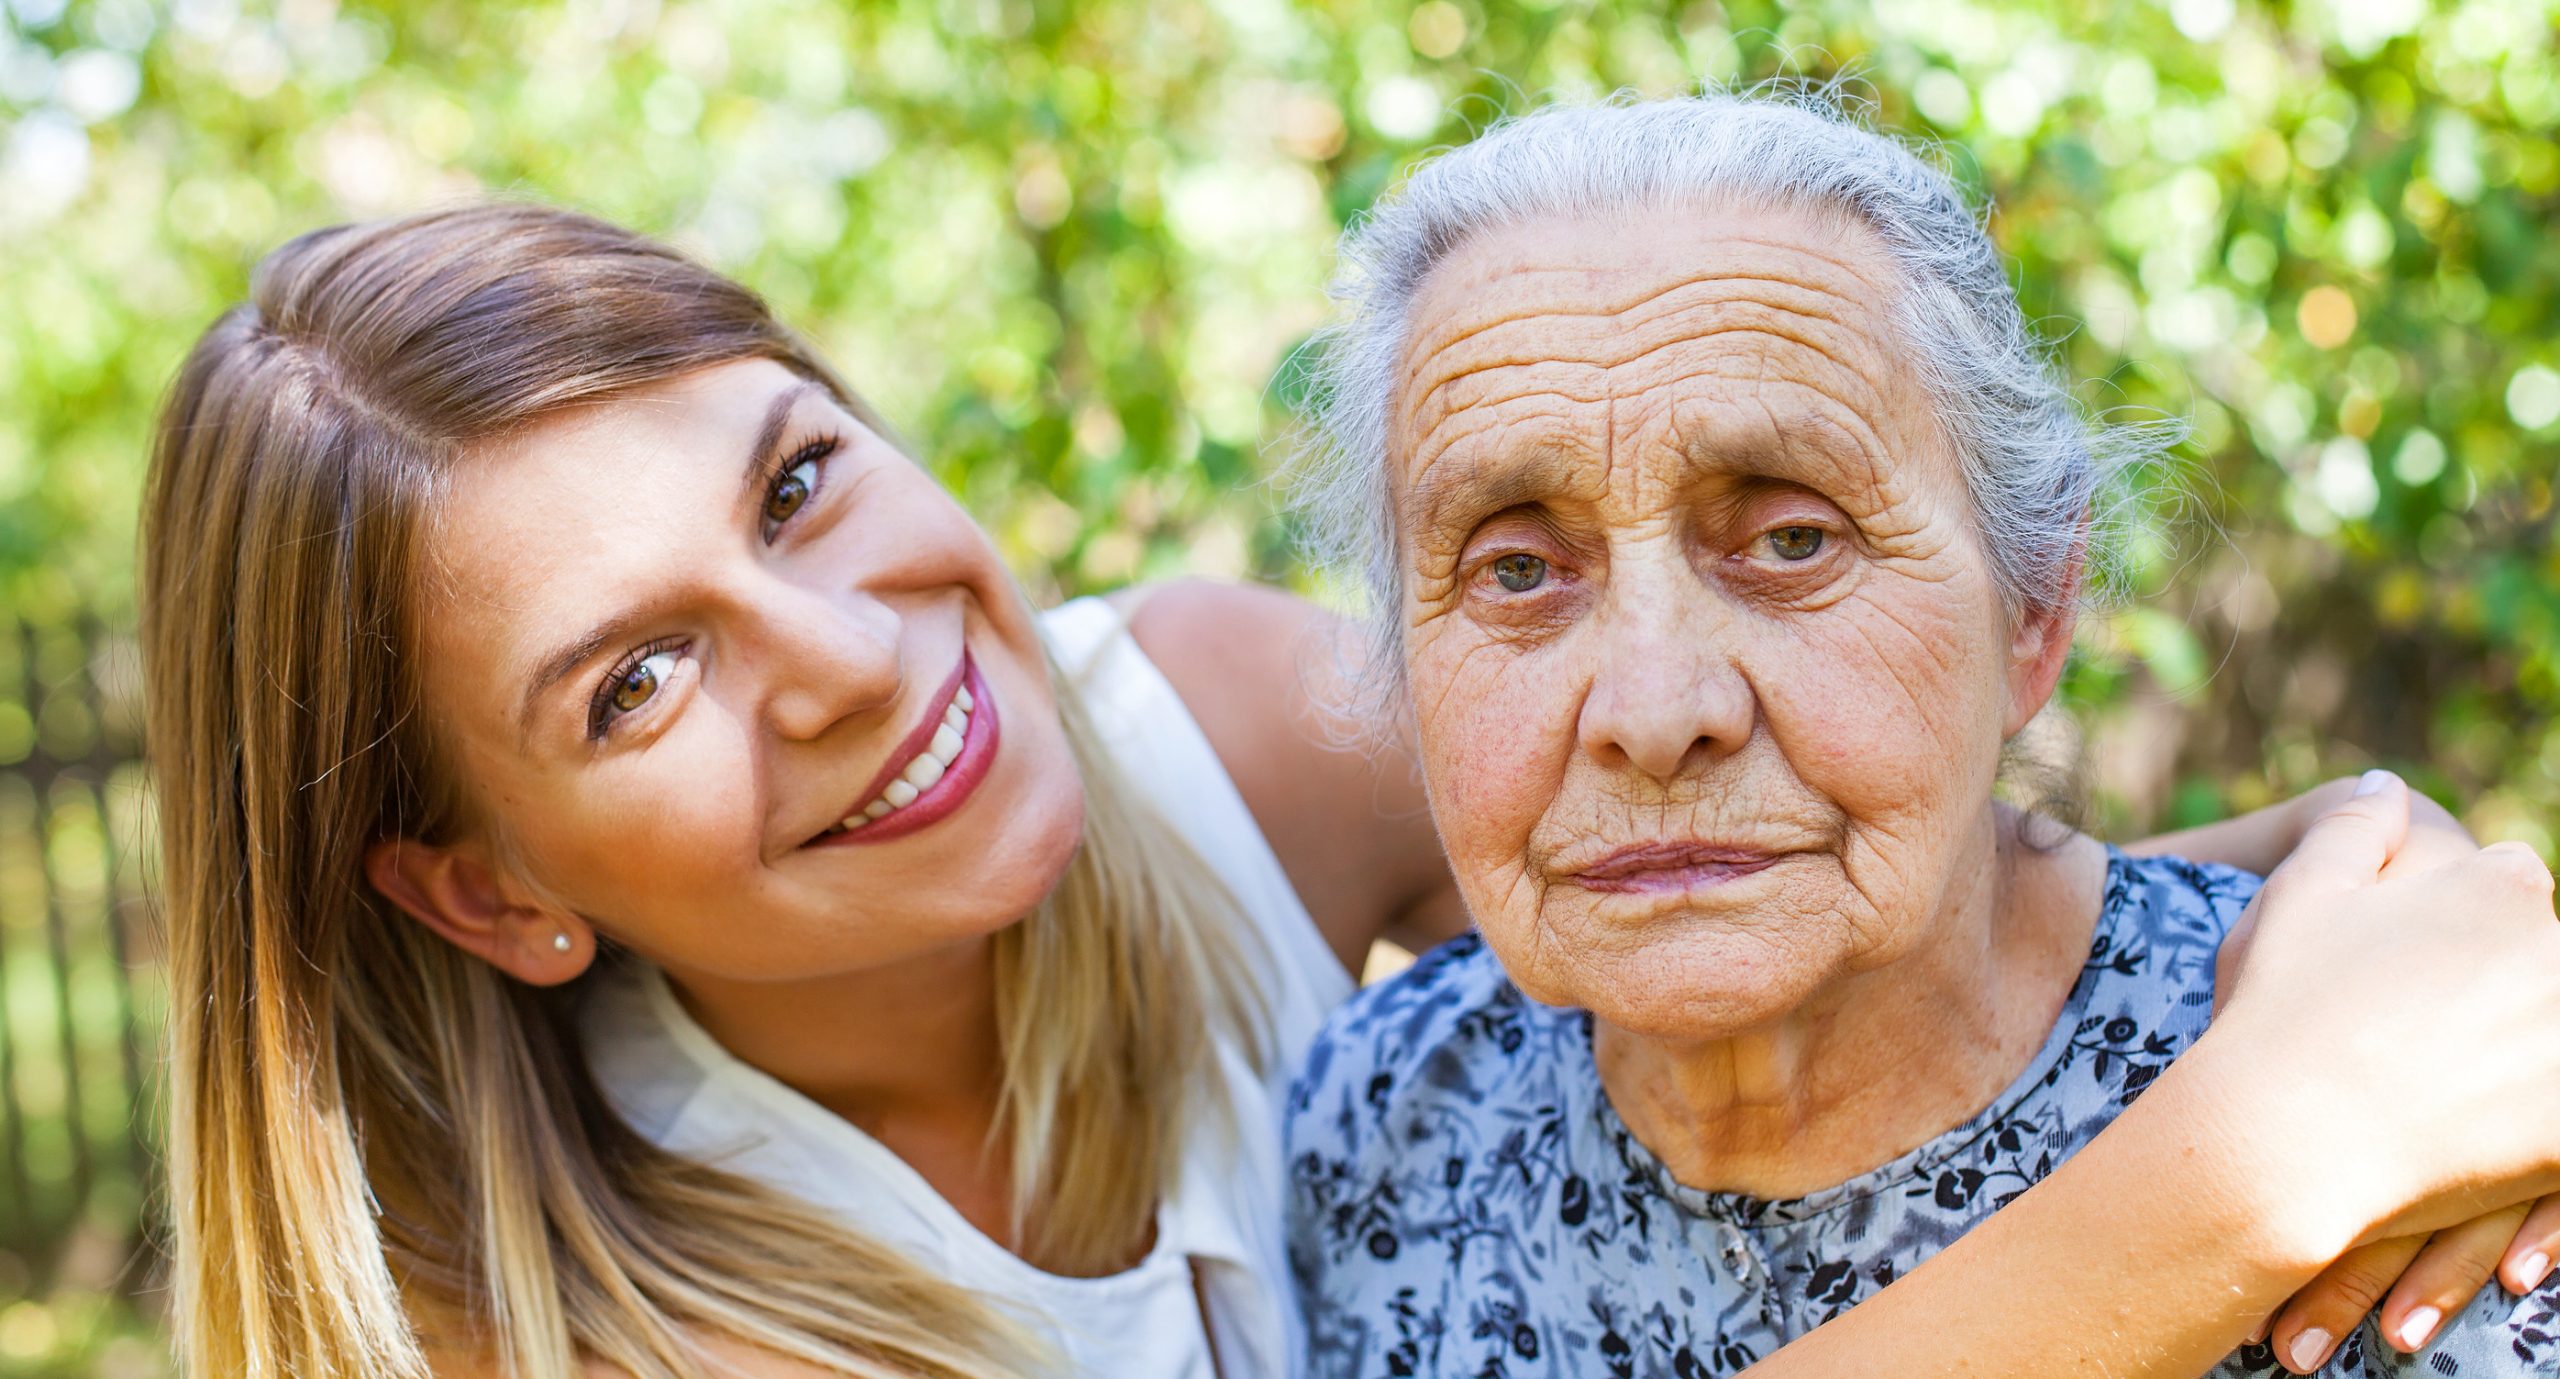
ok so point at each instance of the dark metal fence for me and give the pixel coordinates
(79, 1006)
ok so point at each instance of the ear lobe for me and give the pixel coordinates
(456, 893)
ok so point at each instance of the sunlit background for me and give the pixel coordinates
(1065, 248)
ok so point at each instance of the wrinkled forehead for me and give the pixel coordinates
(1765, 334)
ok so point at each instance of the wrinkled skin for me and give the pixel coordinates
(1659, 411)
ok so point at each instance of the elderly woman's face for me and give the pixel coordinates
(1710, 671)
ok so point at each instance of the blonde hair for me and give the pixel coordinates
(383, 1149)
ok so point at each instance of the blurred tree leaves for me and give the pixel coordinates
(1065, 246)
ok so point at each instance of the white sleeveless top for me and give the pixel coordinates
(679, 1088)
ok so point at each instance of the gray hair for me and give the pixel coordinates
(2034, 463)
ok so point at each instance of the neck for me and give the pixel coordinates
(910, 1044)
(1882, 1060)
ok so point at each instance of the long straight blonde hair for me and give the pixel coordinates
(383, 1150)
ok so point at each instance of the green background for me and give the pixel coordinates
(1065, 248)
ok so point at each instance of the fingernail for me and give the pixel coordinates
(2371, 783)
(2418, 1326)
(2309, 1349)
(2259, 1332)
(2535, 1268)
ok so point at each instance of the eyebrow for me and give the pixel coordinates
(1479, 488)
(557, 666)
(777, 414)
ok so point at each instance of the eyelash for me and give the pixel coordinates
(600, 712)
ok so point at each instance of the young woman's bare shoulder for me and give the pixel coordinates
(1239, 656)
(1256, 667)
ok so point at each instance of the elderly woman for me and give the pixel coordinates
(1731, 525)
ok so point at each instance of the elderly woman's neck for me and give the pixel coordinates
(1881, 1061)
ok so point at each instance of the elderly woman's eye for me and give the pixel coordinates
(1519, 572)
(1796, 543)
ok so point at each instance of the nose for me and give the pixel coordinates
(1668, 695)
(825, 656)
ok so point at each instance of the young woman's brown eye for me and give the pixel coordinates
(632, 687)
(1520, 572)
(795, 485)
(789, 493)
(1796, 543)
(637, 684)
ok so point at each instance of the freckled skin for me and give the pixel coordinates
(1640, 401)
(805, 663)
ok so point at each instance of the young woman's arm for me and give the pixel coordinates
(2425, 1277)
(2261, 839)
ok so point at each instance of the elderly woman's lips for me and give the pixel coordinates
(1672, 867)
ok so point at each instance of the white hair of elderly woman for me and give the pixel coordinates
(2037, 466)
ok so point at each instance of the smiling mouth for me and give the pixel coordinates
(1657, 868)
(934, 770)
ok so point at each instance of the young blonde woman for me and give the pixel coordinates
(647, 897)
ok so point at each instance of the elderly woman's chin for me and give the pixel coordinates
(1696, 957)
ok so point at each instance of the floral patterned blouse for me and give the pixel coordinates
(1464, 1201)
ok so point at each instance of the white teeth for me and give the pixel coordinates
(961, 698)
(949, 736)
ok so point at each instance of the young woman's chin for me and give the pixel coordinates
(961, 868)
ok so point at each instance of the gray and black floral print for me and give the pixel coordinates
(1463, 1201)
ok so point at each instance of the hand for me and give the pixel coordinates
(2427, 1277)
(2261, 842)
(2433, 975)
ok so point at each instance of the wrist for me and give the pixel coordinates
(2245, 1136)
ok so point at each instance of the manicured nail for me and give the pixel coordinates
(2418, 1327)
(2371, 783)
(2310, 1348)
(2535, 1268)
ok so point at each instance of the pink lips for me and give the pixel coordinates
(1664, 868)
(959, 780)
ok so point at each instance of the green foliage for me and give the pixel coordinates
(1066, 246)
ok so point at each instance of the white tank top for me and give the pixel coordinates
(679, 1088)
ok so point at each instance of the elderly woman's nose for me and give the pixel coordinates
(824, 657)
(1665, 699)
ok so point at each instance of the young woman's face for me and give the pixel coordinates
(676, 641)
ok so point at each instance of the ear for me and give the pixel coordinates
(2040, 646)
(456, 892)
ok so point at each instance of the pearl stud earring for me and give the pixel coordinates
(560, 941)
